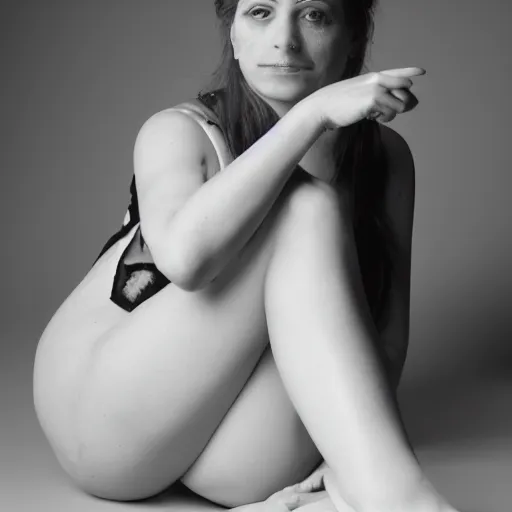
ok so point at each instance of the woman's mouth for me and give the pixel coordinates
(283, 68)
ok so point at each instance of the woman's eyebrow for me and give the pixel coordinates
(300, 1)
(297, 1)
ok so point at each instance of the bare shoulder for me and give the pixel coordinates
(170, 121)
(172, 131)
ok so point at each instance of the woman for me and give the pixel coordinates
(251, 316)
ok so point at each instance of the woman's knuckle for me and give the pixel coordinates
(375, 89)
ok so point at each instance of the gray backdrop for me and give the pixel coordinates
(80, 78)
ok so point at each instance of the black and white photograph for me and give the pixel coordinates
(257, 256)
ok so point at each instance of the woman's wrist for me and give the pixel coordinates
(311, 113)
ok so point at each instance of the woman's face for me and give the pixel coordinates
(308, 34)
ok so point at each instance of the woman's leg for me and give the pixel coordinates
(260, 447)
(321, 337)
(156, 385)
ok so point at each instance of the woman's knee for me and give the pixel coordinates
(306, 189)
(310, 203)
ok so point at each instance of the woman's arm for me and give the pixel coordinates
(192, 243)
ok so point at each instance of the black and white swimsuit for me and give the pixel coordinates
(137, 278)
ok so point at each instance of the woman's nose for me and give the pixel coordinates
(285, 35)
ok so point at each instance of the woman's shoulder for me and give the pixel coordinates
(190, 109)
(200, 108)
(205, 105)
(168, 131)
(193, 126)
(168, 124)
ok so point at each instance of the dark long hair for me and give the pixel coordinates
(361, 160)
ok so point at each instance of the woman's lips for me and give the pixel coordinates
(289, 68)
(285, 65)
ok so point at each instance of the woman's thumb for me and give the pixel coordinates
(313, 483)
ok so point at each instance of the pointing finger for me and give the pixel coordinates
(405, 72)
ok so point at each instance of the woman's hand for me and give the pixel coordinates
(296, 496)
(349, 101)
(292, 497)
(315, 481)
(324, 498)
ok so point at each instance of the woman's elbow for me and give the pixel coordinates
(183, 271)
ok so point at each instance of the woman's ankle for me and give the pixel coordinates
(421, 497)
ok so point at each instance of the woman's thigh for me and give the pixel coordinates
(129, 400)
(260, 447)
(144, 395)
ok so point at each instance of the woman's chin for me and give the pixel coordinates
(285, 94)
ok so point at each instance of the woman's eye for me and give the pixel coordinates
(318, 16)
(258, 9)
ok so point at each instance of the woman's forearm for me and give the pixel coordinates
(220, 217)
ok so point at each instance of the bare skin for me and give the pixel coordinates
(319, 493)
(146, 398)
(310, 491)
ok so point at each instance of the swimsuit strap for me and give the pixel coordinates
(208, 121)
